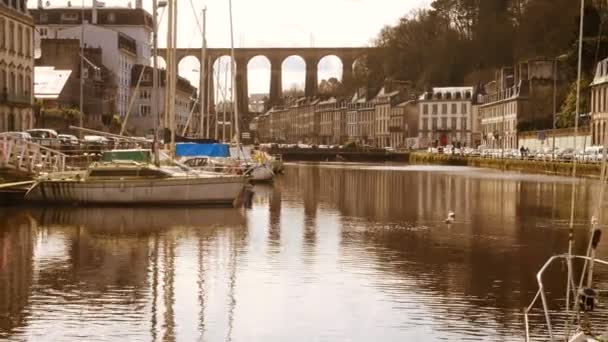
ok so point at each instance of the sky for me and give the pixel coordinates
(278, 23)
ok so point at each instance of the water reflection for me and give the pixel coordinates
(326, 253)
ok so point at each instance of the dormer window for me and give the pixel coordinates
(111, 18)
(44, 17)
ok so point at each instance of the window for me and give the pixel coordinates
(43, 32)
(425, 109)
(464, 109)
(11, 37)
(144, 110)
(454, 108)
(434, 123)
(44, 17)
(11, 84)
(444, 108)
(444, 123)
(20, 40)
(28, 44)
(2, 32)
(463, 124)
(3, 80)
(111, 18)
(454, 124)
(434, 109)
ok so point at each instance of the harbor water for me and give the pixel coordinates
(329, 252)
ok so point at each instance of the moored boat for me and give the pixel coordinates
(137, 183)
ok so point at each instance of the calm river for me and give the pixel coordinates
(331, 252)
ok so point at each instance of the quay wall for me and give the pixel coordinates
(351, 155)
(528, 166)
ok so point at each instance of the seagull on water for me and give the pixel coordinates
(451, 217)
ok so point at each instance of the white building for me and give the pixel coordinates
(141, 120)
(599, 103)
(123, 34)
(16, 66)
(446, 116)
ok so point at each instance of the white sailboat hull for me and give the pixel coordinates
(261, 173)
(212, 190)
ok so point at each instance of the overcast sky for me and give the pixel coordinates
(280, 23)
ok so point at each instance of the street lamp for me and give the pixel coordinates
(555, 61)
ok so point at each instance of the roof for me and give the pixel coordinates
(452, 91)
(383, 93)
(601, 73)
(119, 16)
(406, 103)
(48, 82)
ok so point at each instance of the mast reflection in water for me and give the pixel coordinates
(329, 252)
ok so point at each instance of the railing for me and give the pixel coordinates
(26, 157)
(571, 295)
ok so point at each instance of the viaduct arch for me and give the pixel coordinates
(276, 56)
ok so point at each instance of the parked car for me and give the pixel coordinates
(45, 137)
(17, 135)
(566, 154)
(69, 143)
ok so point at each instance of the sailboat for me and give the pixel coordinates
(129, 177)
(581, 298)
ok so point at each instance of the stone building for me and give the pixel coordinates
(519, 99)
(141, 122)
(599, 104)
(123, 35)
(325, 112)
(99, 83)
(446, 116)
(16, 66)
(403, 126)
(387, 115)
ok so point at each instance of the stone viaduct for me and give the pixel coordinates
(276, 56)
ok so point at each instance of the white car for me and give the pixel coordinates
(17, 135)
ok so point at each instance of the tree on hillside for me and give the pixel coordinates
(295, 91)
(331, 87)
(458, 40)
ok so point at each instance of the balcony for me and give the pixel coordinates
(17, 100)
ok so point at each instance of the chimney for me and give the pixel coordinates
(139, 4)
(39, 4)
(94, 12)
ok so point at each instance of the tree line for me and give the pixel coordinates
(462, 42)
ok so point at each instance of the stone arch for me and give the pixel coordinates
(328, 66)
(189, 67)
(258, 76)
(162, 63)
(222, 79)
(293, 69)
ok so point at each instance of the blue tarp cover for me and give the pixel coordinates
(208, 150)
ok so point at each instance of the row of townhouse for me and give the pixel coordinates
(387, 120)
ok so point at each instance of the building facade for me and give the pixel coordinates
(16, 66)
(599, 104)
(446, 117)
(99, 83)
(141, 120)
(520, 99)
(123, 35)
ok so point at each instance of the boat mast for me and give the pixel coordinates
(569, 281)
(155, 112)
(234, 92)
(82, 67)
(203, 75)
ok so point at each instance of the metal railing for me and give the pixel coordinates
(26, 157)
(543, 296)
